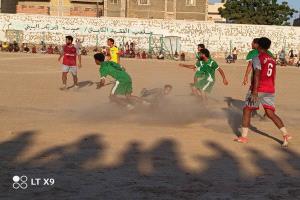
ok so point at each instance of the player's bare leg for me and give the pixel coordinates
(75, 80)
(194, 91)
(245, 126)
(123, 101)
(64, 80)
(135, 99)
(278, 122)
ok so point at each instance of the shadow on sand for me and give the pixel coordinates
(77, 178)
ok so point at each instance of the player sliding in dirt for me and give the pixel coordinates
(204, 78)
(262, 91)
(122, 90)
(156, 95)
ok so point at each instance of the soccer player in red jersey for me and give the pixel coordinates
(69, 54)
(262, 91)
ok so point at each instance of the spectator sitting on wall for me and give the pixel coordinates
(291, 57)
(84, 51)
(50, 49)
(234, 54)
(127, 53)
(144, 55)
(176, 56)
(26, 48)
(11, 47)
(78, 43)
(282, 58)
(132, 46)
(34, 50)
(126, 46)
(138, 55)
(295, 60)
(229, 59)
(22, 47)
(5, 46)
(161, 56)
(182, 56)
(16, 47)
(132, 53)
(96, 50)
(121, 53)
(56, 50)
(44, 49)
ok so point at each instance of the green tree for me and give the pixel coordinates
(267, 12)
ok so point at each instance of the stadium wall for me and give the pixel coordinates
(218, 37)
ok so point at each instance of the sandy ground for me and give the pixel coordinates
(183, 150)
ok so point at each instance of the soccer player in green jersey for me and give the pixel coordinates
(123, 84)
(205, 74)
(196, 68)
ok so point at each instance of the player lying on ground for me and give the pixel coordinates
(122, 90)
(155, 95)
(262, 91)
(205, 74)
(69, 54)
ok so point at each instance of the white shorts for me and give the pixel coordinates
(72, 69)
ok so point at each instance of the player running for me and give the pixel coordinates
(204, 78)
(69, 54)
(262, 91)
(122, 90)
(113, 51)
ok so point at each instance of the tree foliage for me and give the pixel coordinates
(267, 12)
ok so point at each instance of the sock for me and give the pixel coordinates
(245, 131)
(284, 131)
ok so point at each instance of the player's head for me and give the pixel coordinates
(204, 54)
(201, 46)
(255, 43)
(69, 39)
(110, 42)
(167, 89)
(264, 44)
(99, 58)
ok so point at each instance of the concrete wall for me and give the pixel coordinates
(217, 37)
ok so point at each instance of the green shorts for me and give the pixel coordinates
(122, 88)
(204, 85)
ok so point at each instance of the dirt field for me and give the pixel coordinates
(184, 150)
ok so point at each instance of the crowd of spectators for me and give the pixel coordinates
(128, 50)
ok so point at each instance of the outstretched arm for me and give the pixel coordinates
(254, 92)
(79, 61)
(248, 70)
(187, 66)
(101, 83)
(223, 76)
